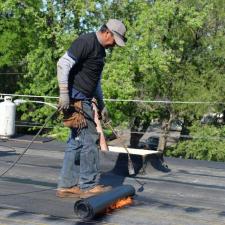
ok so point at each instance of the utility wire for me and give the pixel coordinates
(11, 73)
(216, 138)
(29, 96)
(32, 126)
(125, 100)
(164, 102)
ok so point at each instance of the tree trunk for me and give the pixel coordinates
(138, 129)
(165, 133)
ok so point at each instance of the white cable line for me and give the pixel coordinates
(132, 100)
(123, 100)
(203, 137)
(46, 103)
(10, 73)
(157, 134)
(159, 101)
(30, 96)
(21, 125)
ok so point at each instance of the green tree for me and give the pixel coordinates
(175, 52)
(207, 143)
(16, 39)
(168, 57)
(56, 24)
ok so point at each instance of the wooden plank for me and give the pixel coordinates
(132, 151)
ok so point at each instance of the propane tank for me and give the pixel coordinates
(7, 117)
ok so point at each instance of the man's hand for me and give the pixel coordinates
(64, 101)
(105, 115)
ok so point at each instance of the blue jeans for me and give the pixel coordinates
(81, 159)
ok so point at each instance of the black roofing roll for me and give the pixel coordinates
(89, 207)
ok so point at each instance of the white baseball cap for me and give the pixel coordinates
(118, 29)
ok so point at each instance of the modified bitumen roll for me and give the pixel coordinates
(89, 207)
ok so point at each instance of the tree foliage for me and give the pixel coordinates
(207, 144)
(175, 52)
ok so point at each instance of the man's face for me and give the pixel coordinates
(109, 39)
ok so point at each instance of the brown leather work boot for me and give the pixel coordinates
(68, 192)
(95, 191)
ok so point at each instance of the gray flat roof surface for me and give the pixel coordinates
(193, 192)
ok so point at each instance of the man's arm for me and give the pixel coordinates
(103, 113)
(64, 65)
(99, 96)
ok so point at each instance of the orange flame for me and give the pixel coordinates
(120, 203)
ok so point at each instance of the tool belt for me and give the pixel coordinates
(74, 116)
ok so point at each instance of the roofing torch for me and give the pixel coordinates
(131, 170)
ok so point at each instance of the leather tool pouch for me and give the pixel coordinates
(74, 116)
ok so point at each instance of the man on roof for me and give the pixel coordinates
(79, 77)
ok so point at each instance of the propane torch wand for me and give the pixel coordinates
(131, 170)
